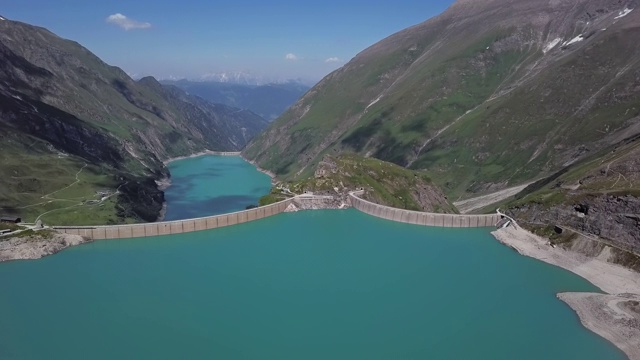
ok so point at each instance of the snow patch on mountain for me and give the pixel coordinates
(574, 40)
(373, 102)
(623, 13)
(240, 77)
(551, 45)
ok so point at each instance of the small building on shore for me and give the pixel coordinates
(10, 219)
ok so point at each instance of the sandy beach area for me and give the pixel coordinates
(615, 315)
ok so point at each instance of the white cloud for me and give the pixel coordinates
(126, 23)
(291, 57)
(333, 59)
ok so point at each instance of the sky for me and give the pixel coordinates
(276, 39)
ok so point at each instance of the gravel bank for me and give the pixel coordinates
(614, 316)
(35, 247)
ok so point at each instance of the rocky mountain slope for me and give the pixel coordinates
(486, 95)
(69, 118)
(383, 183)
(489, 95)
(599, 197)
(268, 101)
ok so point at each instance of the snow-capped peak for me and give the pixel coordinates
(240, 77)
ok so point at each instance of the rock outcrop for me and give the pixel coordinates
(37, 246)
(608, 216)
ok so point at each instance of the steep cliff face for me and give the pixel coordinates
(488, 94)
(61, 105)
(612, 217)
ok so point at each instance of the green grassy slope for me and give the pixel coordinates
(61, 107)
(384, 183)
(39, 181)
(473, 97)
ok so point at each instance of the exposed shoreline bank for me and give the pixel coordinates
(610, 316)
(36, 247)
(266, 172)
(163, 184)
(613, 315)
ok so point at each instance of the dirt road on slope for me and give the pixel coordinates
(468, 205)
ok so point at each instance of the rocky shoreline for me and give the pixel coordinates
(615, 315)
(37, 246)
(266, 172)
(163, 184)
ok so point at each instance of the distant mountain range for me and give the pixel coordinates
(67, 117)
(268, 100)
(242, 78)
(235, 77)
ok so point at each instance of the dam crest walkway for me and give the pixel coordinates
(216, 221)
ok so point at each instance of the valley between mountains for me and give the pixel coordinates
(529, 107)
(539, 96)
(67, 116)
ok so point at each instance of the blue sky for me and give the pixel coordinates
(278, 39)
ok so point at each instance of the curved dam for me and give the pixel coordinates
(422, 218)
(239, 217)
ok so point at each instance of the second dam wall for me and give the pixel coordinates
(423, 218)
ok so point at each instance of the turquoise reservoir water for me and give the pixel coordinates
(212, 185)
(330, 284)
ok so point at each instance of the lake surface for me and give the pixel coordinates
(212, 185)
(327, 284)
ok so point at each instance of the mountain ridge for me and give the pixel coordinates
(486, 96)
(267, 100)
(64, 106)
(415, 113)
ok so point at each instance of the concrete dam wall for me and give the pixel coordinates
(422, 218)
(217, 221)
(224, 153)
(177, 226)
